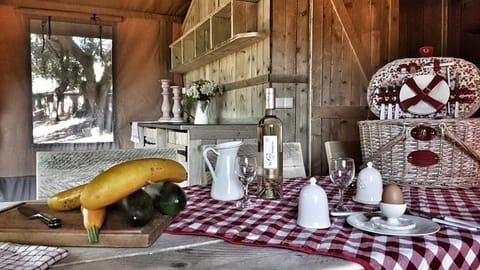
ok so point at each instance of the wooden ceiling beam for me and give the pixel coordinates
(69, 16)
(79, 8)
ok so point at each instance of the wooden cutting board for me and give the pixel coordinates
(116, 232)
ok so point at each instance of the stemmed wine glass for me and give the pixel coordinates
(342, 171)
(246, 170)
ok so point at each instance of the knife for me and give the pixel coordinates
(467, 223)
(31, 213)
(455, 223)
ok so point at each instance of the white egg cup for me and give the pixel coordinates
(392, 212)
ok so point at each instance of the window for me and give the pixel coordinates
(72, 89)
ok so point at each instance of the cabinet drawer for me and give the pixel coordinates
(177, 138)
(150, 137)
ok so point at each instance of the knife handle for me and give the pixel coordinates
(51, 222)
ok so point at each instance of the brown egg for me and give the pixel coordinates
(392, 194)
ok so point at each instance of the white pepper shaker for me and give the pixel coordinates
(313, 207)
(369, 186)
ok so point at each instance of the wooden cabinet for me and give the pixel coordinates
(190, 140)
(226, 30)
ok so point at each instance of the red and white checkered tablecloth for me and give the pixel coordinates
(273, 223)
(29, 257)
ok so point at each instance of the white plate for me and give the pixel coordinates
(441, 93)
(423, 226)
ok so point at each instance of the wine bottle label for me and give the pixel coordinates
(270, 156)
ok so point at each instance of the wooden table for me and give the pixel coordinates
(193, 252)
(196, 252)
(271, 224)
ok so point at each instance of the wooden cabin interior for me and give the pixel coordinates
(320, 54)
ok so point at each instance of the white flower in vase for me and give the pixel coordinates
(199, 90)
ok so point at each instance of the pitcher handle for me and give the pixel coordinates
(209, 165)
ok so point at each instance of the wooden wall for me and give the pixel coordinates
(281, 60)
(350, 40)
(319, 52)
(468, 39)
(243, 74)
(421, 24)
(452, 27)
(290, 66)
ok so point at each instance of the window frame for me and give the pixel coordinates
(41, 146)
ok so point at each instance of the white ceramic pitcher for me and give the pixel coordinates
(225, 184)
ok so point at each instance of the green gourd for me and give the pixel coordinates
(137, 208)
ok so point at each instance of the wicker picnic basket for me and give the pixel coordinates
(449, 158)
(429, 139)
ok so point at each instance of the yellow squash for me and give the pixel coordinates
(66, 200)
(93, 221)
(125, 178)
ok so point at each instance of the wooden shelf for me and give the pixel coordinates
(236, 43)
(223, 32)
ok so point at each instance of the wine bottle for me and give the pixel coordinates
(270, 152)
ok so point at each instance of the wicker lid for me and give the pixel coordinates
(428, 87)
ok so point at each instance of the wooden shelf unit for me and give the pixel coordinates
(226, 30)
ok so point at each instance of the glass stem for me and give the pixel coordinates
(245, 193)
(340, 200)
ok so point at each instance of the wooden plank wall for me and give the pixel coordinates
(469, 37)
(350, 39)
(290, 65)
(243, 74)
(347, 40)
(452, 27)
(281, 61)
(421, 24)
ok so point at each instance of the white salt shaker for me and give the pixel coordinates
(313, 207)
(369, 186)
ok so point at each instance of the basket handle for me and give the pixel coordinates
(386, 147)
(445, 131)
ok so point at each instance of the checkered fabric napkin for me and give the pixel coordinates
(29, 257)
(273, 223)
